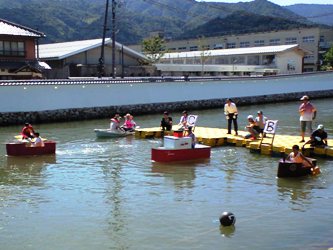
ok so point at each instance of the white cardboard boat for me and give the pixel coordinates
(107, 133)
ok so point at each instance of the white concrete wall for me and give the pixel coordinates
(52, 97)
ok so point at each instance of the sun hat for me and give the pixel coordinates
(250, 117)
(305, 97)
(320, 126)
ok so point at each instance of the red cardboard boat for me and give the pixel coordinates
(21, 148)
(179, 149)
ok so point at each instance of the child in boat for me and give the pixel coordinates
(115, 123)
(297, 157)
(129, 124)
(192, 135)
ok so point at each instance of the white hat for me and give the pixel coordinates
(320, 126)
(304, 97)
(250, 117)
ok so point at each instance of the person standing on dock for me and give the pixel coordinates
(307, 113)
(231, 113)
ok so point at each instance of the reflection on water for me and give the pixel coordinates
(107, 194)
(227, 231)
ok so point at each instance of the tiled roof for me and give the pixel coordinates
(235, 51)
(63, 50)
(13, 29)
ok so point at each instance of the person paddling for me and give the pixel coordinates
(27, 131)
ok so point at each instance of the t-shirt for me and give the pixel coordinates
(318, 135)
(306, 111)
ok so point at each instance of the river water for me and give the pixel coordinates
(107, 194)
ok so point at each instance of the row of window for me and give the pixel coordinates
(8, 48)
(275, 41)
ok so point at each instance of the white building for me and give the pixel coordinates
(81, 59)
(279, 59)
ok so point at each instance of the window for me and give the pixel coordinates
(231, 45)
(291, 40)
(274, 41)
(193, 48)
(244, 44)
(12, 48)
(182, 48)
(308, 39)
(218, 46)
(259, 43)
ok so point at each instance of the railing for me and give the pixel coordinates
(92, 80)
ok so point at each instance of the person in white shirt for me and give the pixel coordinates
(261, 121)
(231, 113)
(38, 142)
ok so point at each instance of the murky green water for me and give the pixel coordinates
(107, 194)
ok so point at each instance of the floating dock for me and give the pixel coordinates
(215, 137)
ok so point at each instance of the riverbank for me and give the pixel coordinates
(57, 101)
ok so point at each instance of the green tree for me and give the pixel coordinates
(153, 48)
(328, 59)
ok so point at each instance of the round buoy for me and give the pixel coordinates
(227, 219)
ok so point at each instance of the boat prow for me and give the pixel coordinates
(107, 133)
(23, 149)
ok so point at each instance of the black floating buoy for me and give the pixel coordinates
(227, 219)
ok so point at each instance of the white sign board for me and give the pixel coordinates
(191, 120)
(270, 126)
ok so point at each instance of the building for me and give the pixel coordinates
(316, 41)
(19, 52)
(81, 59)
(267, 60)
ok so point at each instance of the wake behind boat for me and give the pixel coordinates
(108, 133)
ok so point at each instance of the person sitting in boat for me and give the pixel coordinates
(318, 138)
(253, 128)
(183, 120)
(115, 123)
(192, 135)
(129, 124)
(38, 142)
(27, 131)
(297, 157)
(166, 122)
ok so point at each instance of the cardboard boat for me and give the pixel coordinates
(22, 148)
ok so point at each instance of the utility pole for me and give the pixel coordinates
(101, 70)
(113, 37)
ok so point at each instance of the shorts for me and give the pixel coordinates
(305, 124)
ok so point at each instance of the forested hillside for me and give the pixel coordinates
(66, 20)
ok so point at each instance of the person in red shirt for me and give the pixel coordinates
(27, 131)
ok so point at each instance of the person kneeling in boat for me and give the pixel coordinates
(27, 131)
(297, 157)
(115, 123)
(192, 135)
(37, 142)
(129, 124)
(253, 128)
(318, 138)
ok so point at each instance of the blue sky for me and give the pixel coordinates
(279, 2)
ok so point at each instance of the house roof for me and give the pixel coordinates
(13, 29)
(235, 51)
(59, 51)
